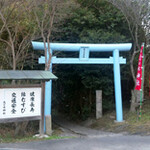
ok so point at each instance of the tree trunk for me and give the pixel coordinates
(135, 97)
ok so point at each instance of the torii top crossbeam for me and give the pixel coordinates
(77, 46)
(84, 52)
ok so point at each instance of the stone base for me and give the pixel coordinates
(119, 121)
(48, 123)
(41, 136)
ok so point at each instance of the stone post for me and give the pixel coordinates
(98, 104)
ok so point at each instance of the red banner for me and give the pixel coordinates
(139, 71)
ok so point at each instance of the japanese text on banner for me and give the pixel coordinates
(139, 71)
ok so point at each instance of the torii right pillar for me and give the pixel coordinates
(117, 82)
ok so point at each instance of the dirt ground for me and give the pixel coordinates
(132, 124)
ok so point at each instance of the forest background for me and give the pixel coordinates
(77, 21)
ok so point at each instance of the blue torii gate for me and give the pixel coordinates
(84, 51)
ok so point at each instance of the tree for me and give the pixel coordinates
(48, 14)
(24, 20)
(16, 31)
(97, 22)
(137, 14)
(77, 84)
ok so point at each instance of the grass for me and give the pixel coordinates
(56, 137)
(131, 125)
(11, 139)
(7, 135)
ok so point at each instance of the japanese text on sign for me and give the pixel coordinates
(20, 102)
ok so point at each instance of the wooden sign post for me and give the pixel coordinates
(23, 102)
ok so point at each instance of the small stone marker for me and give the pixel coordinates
(98, 104)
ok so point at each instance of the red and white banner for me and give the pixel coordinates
(139, 71)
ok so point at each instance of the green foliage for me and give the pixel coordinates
(18, 29)
(89, 22)
(103, 24)
(29, 138)
(75, 89)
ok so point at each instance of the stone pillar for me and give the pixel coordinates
(98, 104)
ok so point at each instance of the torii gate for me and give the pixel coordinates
(84, 51)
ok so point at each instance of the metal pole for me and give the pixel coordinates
(142, 84)
(117, 79)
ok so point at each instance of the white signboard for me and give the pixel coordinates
(20, 102)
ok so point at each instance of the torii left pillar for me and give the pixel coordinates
(48, 118)
(48, 97)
